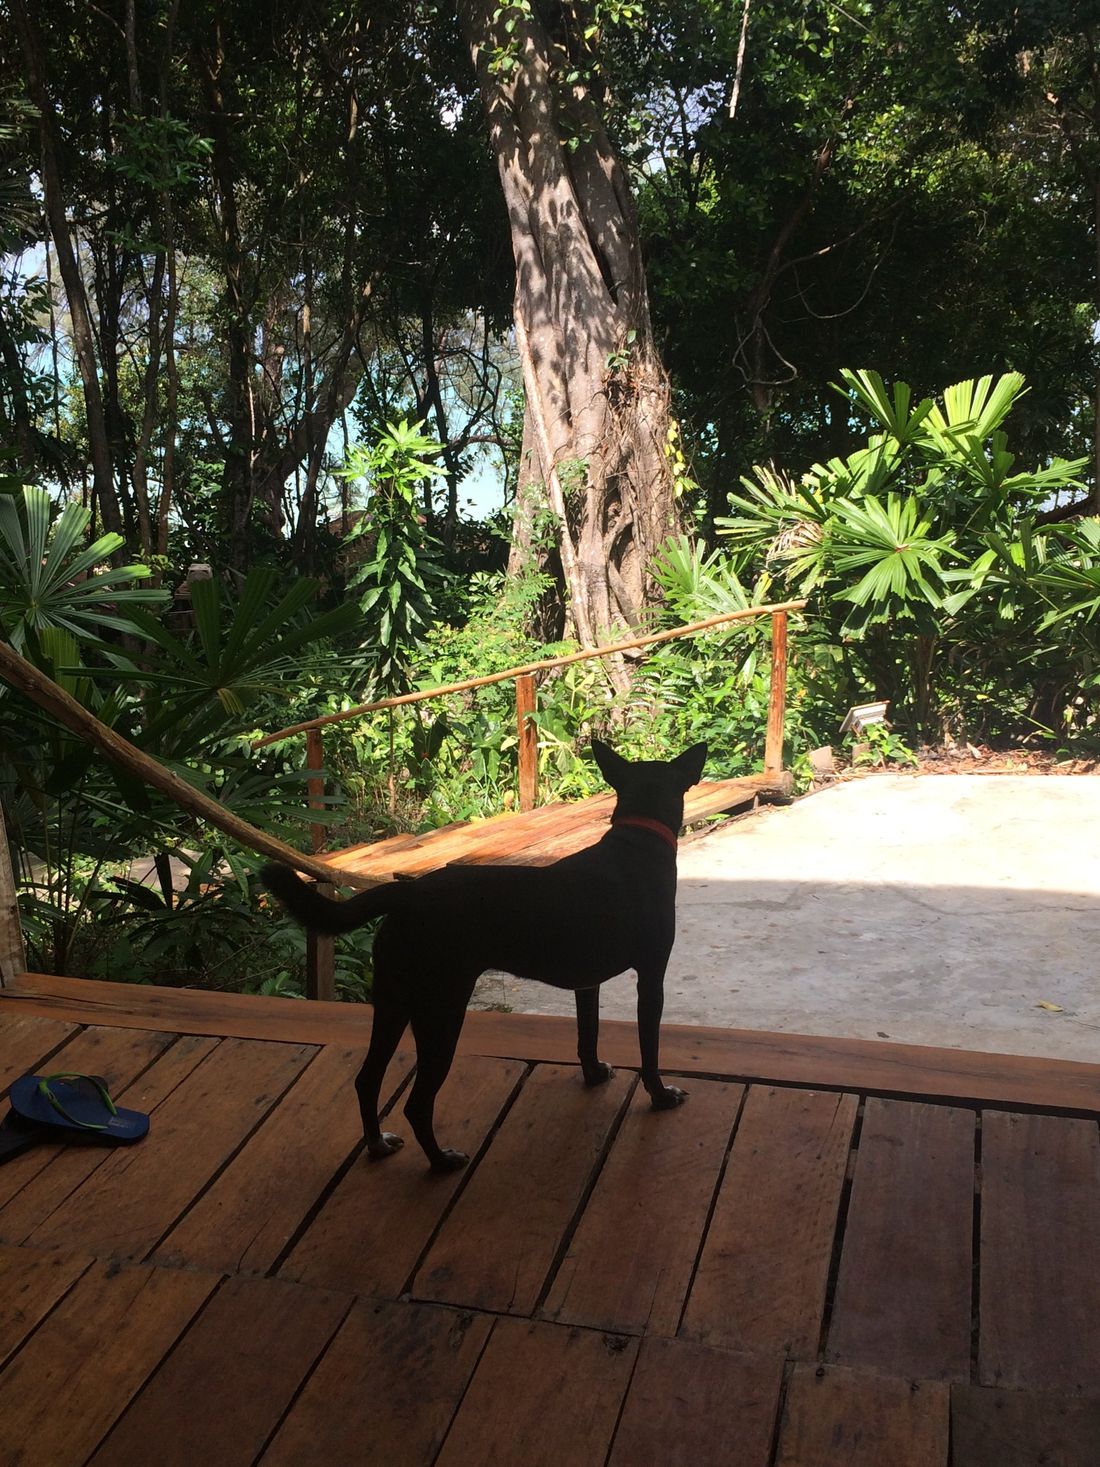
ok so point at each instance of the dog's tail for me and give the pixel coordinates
(323, 913)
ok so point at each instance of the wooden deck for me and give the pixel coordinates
(819, 1261)
(537, 836)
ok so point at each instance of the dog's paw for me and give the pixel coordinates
(598, 1073)
(385, 1146)
(449, 1161)
(668, 1098)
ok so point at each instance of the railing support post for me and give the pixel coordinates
(12, 958)
(320, 947)
(528, 742)
(777, 700)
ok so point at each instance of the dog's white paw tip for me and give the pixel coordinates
(598, 1075)
(385, 1146)
(449, 1161)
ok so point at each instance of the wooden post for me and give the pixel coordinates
(528, 742)
(777, 701)
(320, 947)
(12, 958)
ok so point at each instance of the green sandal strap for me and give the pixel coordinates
(43, 1088)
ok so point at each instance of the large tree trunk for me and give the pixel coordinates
(597, 397)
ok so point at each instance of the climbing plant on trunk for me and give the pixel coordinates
(597, 399)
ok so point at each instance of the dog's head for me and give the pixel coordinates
(682, 772)
(653, 788)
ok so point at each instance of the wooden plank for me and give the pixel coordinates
(1039, 1312)
(647, 1214)
(78, 1372)
(1018, 1429)
(386, 1389)
(783, 1182)
(689, 1404)
(118, 1055)
(403, 842)
(496, 1248)
(183, 1011)
(807, 1060)
(45, 1193)
(222, 1391)
(30, 1285)
(566, 824)
(27, 1038)
(715, 796)
(835, 1417)
(499, 832)
(544, 1395)
(903, 1298)
(246, 1219)
(786, 1059)
(371, 1231)
(132, 1199)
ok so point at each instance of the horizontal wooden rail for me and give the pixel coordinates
(60, 705)
(546, 665)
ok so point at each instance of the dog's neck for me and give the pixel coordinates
(643, 822)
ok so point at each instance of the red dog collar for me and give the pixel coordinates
(642, 822)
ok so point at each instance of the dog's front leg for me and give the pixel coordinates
(588, 1031)
(651, 1003)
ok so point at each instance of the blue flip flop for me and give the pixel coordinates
(79, 1104)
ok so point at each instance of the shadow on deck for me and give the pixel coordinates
(838, 1252)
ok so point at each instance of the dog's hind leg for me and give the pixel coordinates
(588, 1030)
(387, 1028)
(436, 1029)
(651, 1002)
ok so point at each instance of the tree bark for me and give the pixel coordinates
(103, 482)
(597, 427)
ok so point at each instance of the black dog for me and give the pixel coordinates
(573, 924)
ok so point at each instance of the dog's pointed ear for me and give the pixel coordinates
(689, 765)
(610, 764)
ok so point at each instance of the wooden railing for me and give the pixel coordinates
(43, 691)
(320, 951)
(524, 678)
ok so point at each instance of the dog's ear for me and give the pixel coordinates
(610, 764)
(689, 765)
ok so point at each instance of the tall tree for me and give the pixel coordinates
(597, 406)
(873, 199)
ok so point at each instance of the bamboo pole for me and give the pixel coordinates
(58, 703)
(13, 960)
(547, 665)
(320, 946)
(777, 697)
(528, 748)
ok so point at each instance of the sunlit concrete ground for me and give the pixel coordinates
(927, 909)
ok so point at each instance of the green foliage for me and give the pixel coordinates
(898, 542)
(242, 649)
(879, 746)
(190, 700)
(400, 583)
(715, 686)
(50, 580)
